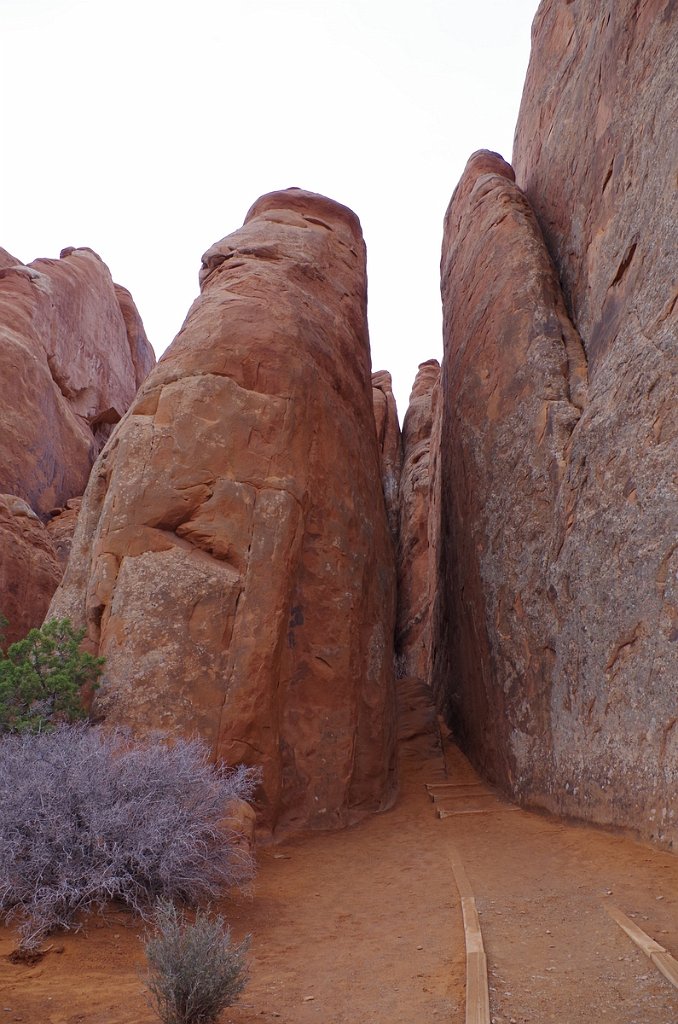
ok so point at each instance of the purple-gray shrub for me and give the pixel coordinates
(88, 816)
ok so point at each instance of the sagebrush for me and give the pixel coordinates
(195, 970)
(87, 817)
(42, 678)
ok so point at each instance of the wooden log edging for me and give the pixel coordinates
(477, 991)
(660, 957)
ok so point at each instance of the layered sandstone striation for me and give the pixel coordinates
(414, 575)
(29, 568)
(555, 645)
(232, 559)
(390, 446)
(72, 360)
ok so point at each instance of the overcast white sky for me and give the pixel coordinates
(147, 128)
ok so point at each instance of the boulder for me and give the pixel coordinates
(232, 559)
(29, 568)
(414, 575)
(390, 445)
(70, 370)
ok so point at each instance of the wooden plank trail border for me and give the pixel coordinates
(657, 954)
(477, 992)
(469, 793)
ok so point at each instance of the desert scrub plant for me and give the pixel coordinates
(42, 678)
(88, 816)
(195, 971)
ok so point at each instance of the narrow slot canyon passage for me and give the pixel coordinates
(449, 649)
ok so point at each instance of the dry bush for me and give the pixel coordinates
(87, 817)
(194, 969)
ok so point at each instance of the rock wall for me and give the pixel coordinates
(390, 446)
(595, 154)
(70, 370)
(605, 197)
(555, 648)
(61, 528)
(232, 559)
(414, 576)
(29, 568)
(512, 389)
(72, 355)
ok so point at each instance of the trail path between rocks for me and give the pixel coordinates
(364, 926)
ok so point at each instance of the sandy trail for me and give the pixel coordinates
(364, 926)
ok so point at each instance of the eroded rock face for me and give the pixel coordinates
(414, 576)
(141, 353)
(61, 528)
(232, 558)
(29, 567)
(595, 154)
(70, 370)
(390, 446)
(512, 390)
(602, 183)
(6, 259)
(556, 622)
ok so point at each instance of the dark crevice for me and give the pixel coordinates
(69, 394)
(316, 220)
(624, 265)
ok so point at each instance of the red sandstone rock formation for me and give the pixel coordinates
(602, 183)
(414, 576)
(69, 369)
(390, 445)
(232, 558)
(141, 353)
(29, 568)
(557, 611)
(513, 386)
(6, 259)
(61, 528)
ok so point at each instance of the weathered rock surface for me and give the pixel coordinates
(232, 559)
(390, 445)
(61, 528)
(71, 361)
(513, 386)
(602, 183)
(555, 644)
(6, 259)
(29, 567)
(141, 353)
(414, 575)
(595, 154)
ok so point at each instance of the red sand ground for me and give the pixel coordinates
(364, 926)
